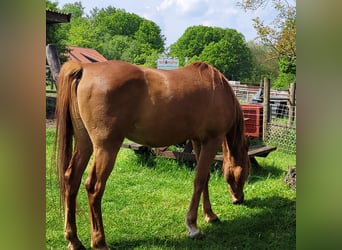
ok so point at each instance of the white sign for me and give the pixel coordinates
(167, 63)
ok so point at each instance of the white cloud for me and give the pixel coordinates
(165, 5)
(184, 7)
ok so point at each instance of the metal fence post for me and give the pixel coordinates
(266, 107)
(292, 103)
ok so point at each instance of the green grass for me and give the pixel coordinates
(145, 203)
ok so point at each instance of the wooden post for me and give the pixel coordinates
(53, 61)
(292, 103)
(266, 107)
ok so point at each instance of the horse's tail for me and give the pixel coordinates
(67, 82)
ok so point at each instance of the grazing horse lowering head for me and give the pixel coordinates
(101, 104)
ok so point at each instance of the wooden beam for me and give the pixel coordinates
(56, 17)
(259, 150)
(53, 61)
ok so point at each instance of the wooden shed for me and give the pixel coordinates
(86, 55)
(57, 17)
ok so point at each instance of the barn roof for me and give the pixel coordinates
(57, 17)
(84, 54)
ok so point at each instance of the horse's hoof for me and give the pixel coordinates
(213, 219)
(101, 248)
(236, 201)
(198, 236)
(195, 234)
(76, 247)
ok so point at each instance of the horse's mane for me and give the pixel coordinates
(214, 74)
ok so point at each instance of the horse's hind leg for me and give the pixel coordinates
(206, 156)
(73, 176)
(104, 159)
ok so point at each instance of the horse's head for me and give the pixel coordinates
(236, 167)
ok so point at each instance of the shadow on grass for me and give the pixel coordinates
(273, 228)
(147, 159)
(265, 172)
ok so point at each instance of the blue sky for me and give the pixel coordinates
(174, 16)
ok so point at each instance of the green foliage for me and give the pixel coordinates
(279, 36)
(120, 47)
(51, 5)
(287, 73)
(283, 81)
(110, 22)
(263, 66)
(287, 66)
(81, 33)
(115, 33)
(150, 34)
(194, 40)
(76, 9)
(225, 49)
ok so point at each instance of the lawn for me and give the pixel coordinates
(145, 203)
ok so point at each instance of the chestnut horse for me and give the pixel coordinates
(99, 104)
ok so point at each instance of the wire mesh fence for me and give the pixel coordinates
(245, 93)
(280, 128)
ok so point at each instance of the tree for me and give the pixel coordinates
(279, 36)
(116, 47)
(76, 9)
(150, 33)
(194, 40)
(263, 66)
(225, 49)
(126, 36)
(81, 33)
(111, 22)
(113, 32)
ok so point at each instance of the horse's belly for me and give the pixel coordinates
(159, 136)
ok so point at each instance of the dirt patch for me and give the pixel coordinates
(290, 177)
(50, 123)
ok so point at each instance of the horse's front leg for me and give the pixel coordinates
(95, 185)
(205, 159)
(209, 215)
